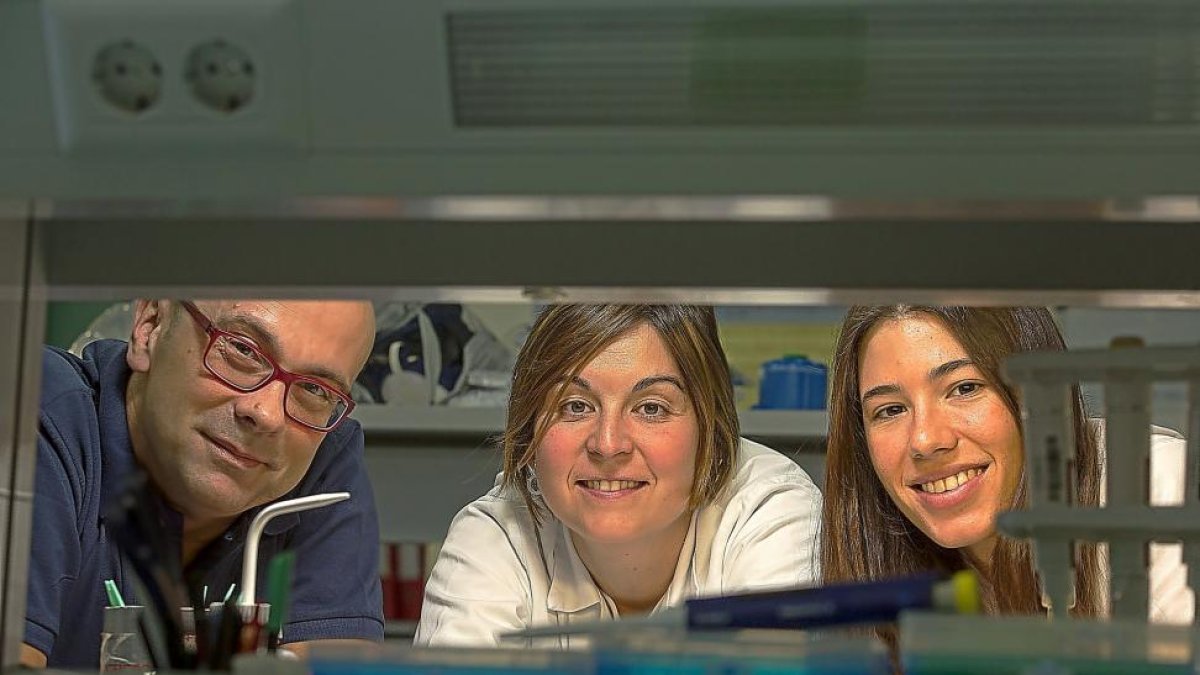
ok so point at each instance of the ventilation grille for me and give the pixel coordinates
(954, 63)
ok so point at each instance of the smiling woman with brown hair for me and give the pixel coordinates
(625, 486)
(925, 450)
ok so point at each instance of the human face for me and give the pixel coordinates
(617, 464)
(944, 444)
(214, 451)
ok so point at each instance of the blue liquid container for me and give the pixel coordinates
(792, 382)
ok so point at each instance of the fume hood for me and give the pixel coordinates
(769, 152)
(798, 152)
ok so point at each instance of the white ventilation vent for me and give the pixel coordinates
(954, 63)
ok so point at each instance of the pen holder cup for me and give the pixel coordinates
(123, 645)
(187, 625)
(254, 625)
(122, 648)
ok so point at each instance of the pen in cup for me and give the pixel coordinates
(279, 590)
(114, 595)
(197, 593)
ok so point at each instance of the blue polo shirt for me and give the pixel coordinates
(84, 458)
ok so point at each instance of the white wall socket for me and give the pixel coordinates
(262, 107)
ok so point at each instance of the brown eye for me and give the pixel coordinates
(317, 391)
(241, 355)
(652, 409)
(242, 349)
(967, 388)
(889, 411)
(576, 407)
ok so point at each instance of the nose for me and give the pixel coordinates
(262, 410)
(932, 432)
(611, 436)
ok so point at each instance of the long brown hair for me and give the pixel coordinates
(565, 338)
(864, 534)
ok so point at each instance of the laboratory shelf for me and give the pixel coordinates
(402, 421)
(383, 421)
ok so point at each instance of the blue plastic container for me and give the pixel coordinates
(792, 382)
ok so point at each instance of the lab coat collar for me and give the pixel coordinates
(684, 581)
(571, 586)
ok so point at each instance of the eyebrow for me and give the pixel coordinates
(949, 367)
(881, 390)
(934, 373)
(257, 330)
(640, 385)
(655, 379)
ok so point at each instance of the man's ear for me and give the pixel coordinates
(150, 319)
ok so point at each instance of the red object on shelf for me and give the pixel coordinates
(411, 593)
(404, 582)
(391, 610)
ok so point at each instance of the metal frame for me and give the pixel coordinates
(22, 325)
(752, 250)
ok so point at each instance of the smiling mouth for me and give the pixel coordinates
(949, 483)
(242, 459)
(610, 485)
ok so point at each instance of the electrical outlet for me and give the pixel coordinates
(254, 99)
(221, 76)
(128, 76)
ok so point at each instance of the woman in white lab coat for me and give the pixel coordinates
(625, 488)
(925, 449)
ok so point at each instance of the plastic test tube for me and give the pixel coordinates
(1049, 442)
(1127, 451)
(1056, 564)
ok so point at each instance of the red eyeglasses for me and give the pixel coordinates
(239, 363)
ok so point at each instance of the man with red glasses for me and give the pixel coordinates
(227, 406)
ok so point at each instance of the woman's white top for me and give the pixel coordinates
(497, 572)
(1171, 601)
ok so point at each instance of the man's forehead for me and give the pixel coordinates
(318, 330)
(267, 310)
(279, 311)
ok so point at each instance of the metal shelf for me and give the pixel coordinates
(382, 421)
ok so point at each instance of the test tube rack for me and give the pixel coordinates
(1126, 521)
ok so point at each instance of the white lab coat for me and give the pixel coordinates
(497, 573)
(1171, 601)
